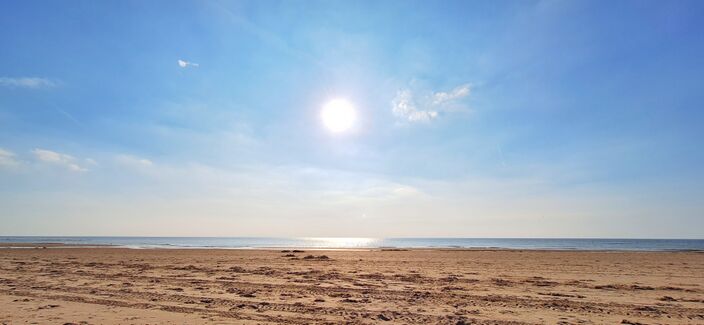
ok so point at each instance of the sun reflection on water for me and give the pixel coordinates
(342, 242)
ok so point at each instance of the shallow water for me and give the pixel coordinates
(262, 242)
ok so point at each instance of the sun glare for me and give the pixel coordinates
(338, 115)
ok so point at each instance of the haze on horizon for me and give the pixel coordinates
(448, 119)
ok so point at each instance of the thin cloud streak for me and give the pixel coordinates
(69, 116)
(27, 82)
(440, 98)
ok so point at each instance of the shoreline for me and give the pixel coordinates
(40, 245)
(233, 243)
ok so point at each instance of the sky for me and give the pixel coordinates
(473, 118)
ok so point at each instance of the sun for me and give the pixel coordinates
(338, 115)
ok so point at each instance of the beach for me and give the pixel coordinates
(56, 284)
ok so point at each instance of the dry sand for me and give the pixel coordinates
(126, 286)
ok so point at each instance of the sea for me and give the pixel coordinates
(357, 243)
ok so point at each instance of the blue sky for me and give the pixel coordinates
(475, 119)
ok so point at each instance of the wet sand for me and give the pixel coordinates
(59, 285)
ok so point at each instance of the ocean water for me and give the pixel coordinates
(342, 243)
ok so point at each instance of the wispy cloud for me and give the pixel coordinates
(52, 157)
(27, 82)
(68, 116)
(186, 64)
(414, 107)
(133, 161)
(404, 107)
(268, 38)
(7, 159)
(440, 98)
